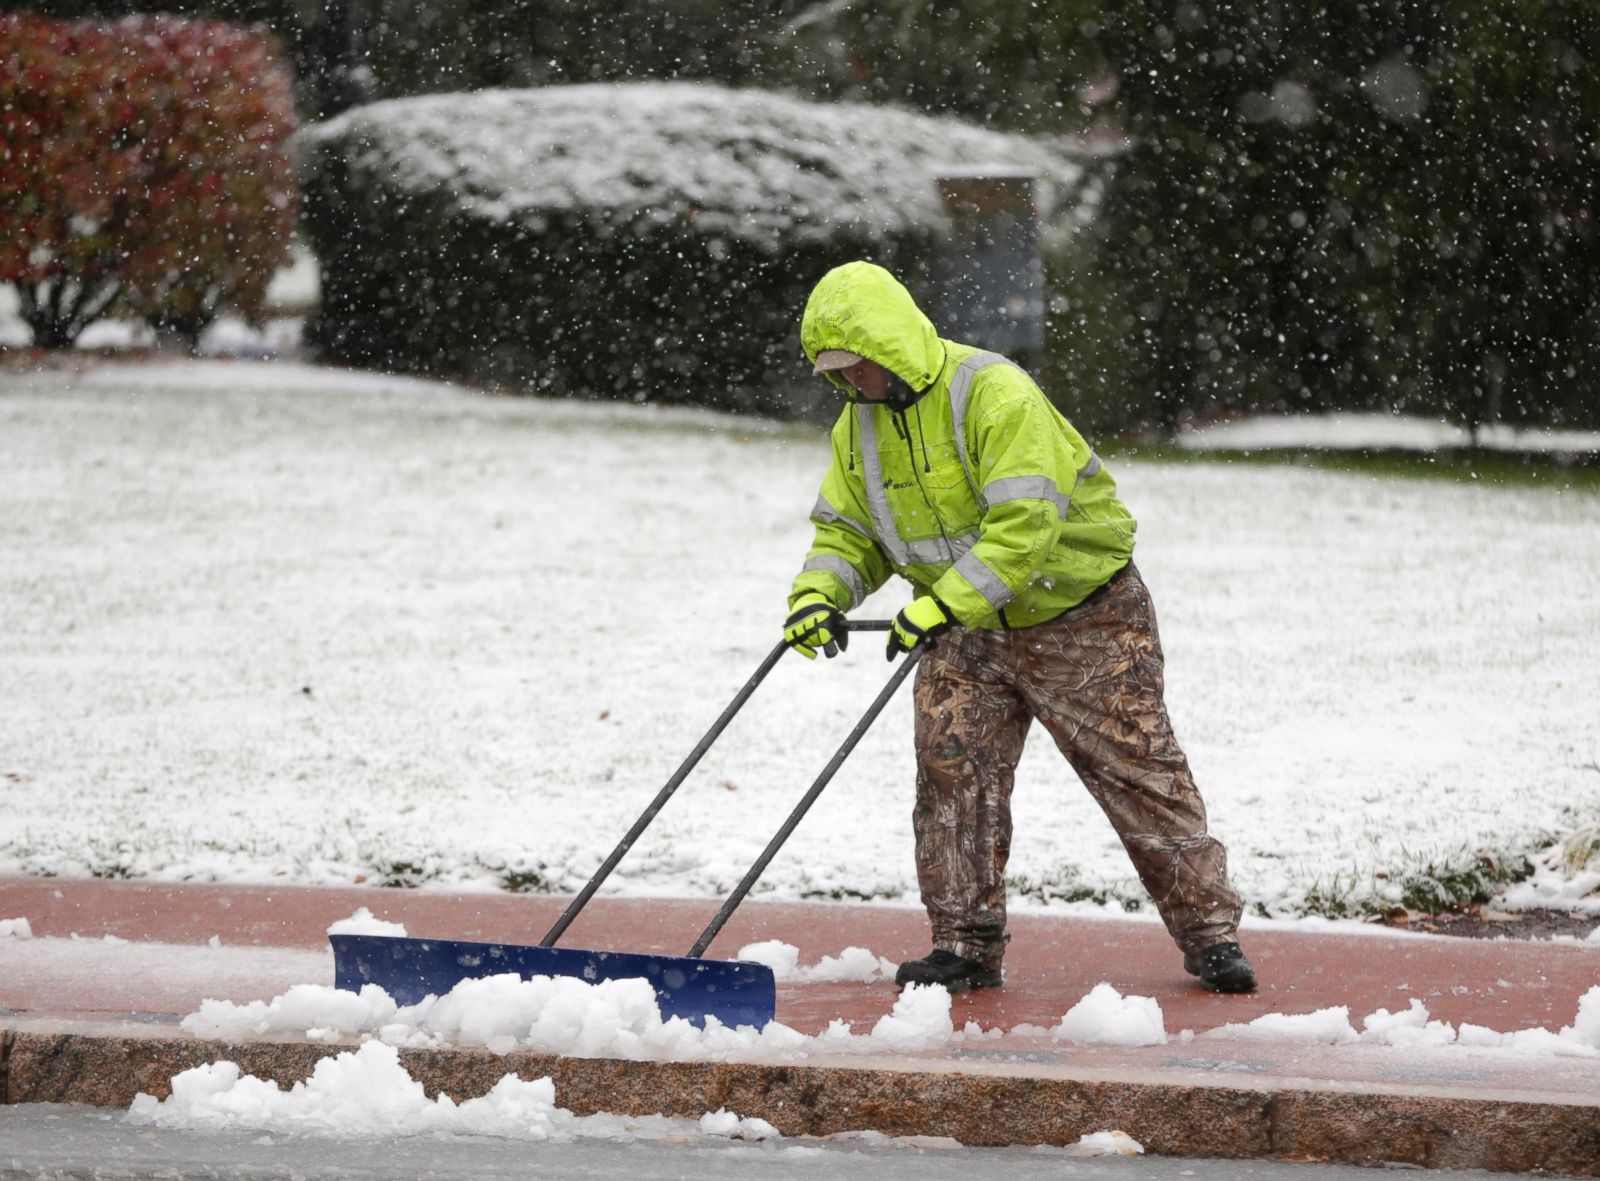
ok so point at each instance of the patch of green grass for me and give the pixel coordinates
(1448, 886)
(526, 881)
(1458, 466)
(845, 894)
(401, 875)
(1455, 888)
(1580, 849)
(1065, 884)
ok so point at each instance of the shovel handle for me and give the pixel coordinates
(663, 796)
(807, 800)
(679, 776)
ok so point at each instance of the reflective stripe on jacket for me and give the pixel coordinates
(978, 491)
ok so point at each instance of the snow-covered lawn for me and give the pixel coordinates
(267, 621)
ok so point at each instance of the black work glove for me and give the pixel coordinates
(919, 621)
(816, 623)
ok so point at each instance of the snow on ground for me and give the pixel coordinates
(621, 1019)
(754, 166)
(1376, 431)
(1413, 1029)
(563, 1015)
(270, 622)
(367, 1092)
(1107, 1018)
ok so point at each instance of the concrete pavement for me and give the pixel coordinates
(71, 1031)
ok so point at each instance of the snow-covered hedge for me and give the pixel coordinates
(652, 240)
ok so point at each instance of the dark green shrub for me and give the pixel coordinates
(1351, 207)
(637, 241)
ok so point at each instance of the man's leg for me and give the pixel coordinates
(970, 726)
(1094, 677)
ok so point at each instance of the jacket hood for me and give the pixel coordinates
(862, 308)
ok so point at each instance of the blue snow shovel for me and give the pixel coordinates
(733, 991)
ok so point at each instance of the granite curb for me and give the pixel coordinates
(982, 1104)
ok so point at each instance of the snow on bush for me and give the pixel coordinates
(621, 1019)
(1559, 881)
(648, 240)
(368, 1092)
(748, 165)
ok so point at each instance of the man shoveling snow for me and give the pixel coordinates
(952, 469)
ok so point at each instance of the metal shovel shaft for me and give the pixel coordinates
(806, 801)
(663, 796)
(678, 776)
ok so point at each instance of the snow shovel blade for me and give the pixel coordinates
(733, 991)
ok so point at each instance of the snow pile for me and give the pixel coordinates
(853, 964)
(314, 1009)
(1113, 1143)
(1410, 1028)
(1413, 1029)
(920, 1020)
(754, 166)
(1327, 1027)
(368, 1092)
(1107, 1018)
(1554, 885)
(729, 1126)
(363, 922)
(621, 1019)
(15, 929)
(560, 1015)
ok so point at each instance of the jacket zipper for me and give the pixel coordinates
(900, 428)
(898, 418)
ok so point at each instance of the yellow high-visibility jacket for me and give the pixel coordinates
(972, 485)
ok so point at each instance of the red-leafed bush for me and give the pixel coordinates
(144, 161)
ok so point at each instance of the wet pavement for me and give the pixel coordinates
(1447, 1106)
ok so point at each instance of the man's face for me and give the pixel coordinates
(870, 379)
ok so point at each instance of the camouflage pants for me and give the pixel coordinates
(1093, 678)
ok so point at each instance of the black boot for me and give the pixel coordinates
(1221, 968)
(947, 968)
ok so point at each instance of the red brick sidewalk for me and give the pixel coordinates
(82, 1020)
(1052, 962)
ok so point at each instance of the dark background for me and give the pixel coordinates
(1304, 205)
